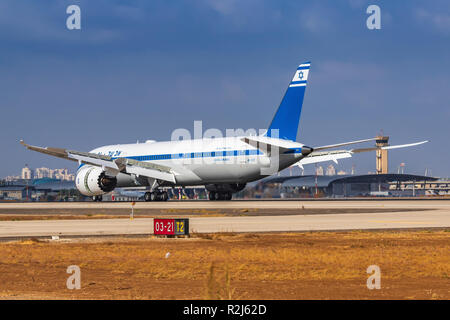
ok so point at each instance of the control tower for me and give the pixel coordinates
(382, 155)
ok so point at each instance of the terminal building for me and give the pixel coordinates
(16, 192)
(341, 186)
(39, 190)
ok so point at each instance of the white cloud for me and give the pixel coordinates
(224, 7)
(438, 20)
(48, 23)
(357, 4)
(250, 16)
(317, 19)
(346, 71)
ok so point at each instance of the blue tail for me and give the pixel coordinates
(287, 117)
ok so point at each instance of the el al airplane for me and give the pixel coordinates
(222, 165)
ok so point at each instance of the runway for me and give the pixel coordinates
(437, 215)
(237, 204)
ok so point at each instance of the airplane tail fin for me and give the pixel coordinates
(287, 117)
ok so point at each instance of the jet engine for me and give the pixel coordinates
(93, 181)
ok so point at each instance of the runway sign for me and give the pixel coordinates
(171, 227)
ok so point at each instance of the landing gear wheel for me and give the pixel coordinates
(218, 196)
(156, 196)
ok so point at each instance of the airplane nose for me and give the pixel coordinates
(306, 150)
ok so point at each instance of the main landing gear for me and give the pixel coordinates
(97, 198)
(156, 196)
(212, 195)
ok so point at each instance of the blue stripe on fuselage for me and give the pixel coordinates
(191, 155)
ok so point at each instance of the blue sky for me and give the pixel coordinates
(138, 70)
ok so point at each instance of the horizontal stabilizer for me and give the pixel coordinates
(324, 156)
(273, 146)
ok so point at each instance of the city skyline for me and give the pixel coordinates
(28, 173)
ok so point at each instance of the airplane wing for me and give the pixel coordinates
(335, 155)
(115, 165)
(389, 147)
(342, 144)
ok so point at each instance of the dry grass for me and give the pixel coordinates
(218, 286)
(414, 264)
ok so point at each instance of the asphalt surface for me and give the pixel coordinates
(437, 217)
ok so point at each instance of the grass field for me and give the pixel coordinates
(316, 265)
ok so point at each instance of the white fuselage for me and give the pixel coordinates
(201, 161)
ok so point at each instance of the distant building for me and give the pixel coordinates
(319, 171)
(330, 170)
(63, 174)
(341, 173)
(27, 173)
(12, 178)
(42, 173)
(393, 185)
(14, 192)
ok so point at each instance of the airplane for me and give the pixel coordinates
(223, 165)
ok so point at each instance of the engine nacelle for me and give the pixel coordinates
(93, 181)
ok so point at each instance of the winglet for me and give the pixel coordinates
(26, 145)
(404, 145)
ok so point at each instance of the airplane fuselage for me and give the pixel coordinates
(201, 161)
